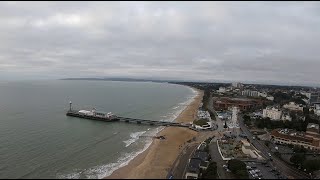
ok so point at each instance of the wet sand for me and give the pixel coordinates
(157, 160)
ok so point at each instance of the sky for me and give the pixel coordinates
(275, 42)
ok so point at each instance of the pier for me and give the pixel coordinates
(109, 117)
(125, 119)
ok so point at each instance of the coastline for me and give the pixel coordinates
(157, 159)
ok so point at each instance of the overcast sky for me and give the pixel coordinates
(232, 41)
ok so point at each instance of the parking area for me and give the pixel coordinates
(262, 171)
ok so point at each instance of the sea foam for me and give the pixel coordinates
(133, 138)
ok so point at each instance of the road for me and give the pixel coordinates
(183, 159)
(279, 164)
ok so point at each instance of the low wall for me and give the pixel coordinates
(225, 159)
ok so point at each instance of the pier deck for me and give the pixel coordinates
(128, 120)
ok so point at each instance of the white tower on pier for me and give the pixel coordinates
(70, 103)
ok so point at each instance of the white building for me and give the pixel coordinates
(308, 95)
(272, 113)
(262, 94)
(237, 85)
(293, 106)
(203, 115)
(250, 93)
(222, 90)
(286, 117)
(270, 98)
(317, 109)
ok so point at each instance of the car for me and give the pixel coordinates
(225, 166)
(269, 154)
(248, 167)
(228, 170)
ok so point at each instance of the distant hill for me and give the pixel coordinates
(117, 79)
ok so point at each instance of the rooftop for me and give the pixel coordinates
(291, 135)
(312, 125)
(201, 155)
(194, 165)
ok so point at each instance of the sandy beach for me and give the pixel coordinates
(155, 162)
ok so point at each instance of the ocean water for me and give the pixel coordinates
(37, 139)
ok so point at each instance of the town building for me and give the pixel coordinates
(286, 117)
(198, 161)
(244, 104)
(317, 109)
(237, 85)
(309, 139)
(221, 90)
(224, 115)
(307, 94)
(293, 106)
(250, 93)
(262, 94)
(270, 98)
(315, 98)
(203, 115)
(193, 168)
(272, 113)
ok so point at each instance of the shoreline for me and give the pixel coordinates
(156, 161)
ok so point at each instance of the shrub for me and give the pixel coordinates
(238, 168)
(210, 172)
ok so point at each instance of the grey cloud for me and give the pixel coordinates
(233, 41)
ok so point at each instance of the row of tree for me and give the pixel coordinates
(282, 97)
(238, 168)
(309, 165)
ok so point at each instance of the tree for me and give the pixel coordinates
(210, 172)
(311, 165)
(266, 143)
(299, 149)
(238, 168)
(298, 159)
(242, 174)
(200, 122)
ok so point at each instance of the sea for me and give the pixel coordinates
(38, 140)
